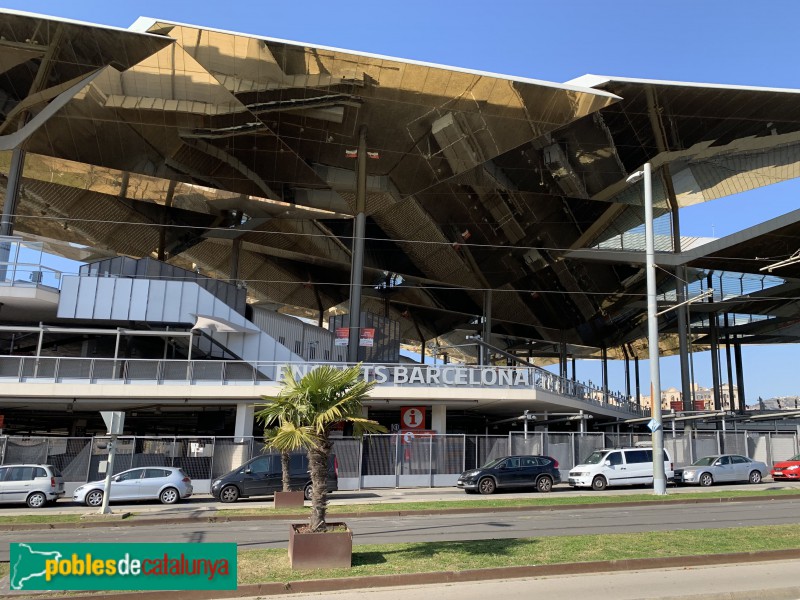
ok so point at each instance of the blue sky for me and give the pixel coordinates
(713, 41)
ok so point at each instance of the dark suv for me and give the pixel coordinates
(261, 476)
(521, 471)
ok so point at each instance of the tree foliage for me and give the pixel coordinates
(306, 410)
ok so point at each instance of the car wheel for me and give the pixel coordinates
(308, 491)
(94, 498)
(36, 500)
(486, 485)
(544, 484)
(169, 496)
(599, 483)
(230, 493)
(755, 477)
(706, 479)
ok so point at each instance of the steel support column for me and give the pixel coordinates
(731, 404)
(233, 268)
(359, 227)
(604, 355)
(715, 360)
(714, 338)
(737, 352)
(12, 191)
(486, 335)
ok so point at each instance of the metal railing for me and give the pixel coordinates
(24, 264)
(23, 369)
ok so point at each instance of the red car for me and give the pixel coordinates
(787, 469)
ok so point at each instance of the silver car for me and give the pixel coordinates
(167, 484)
(720, 468)
(34, 485)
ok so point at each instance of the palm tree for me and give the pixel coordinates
(306, 410)
(279, 411)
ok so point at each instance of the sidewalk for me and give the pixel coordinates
(762, 581)
(204, 505)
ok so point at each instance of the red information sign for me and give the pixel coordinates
(412, 417)
(342, 336)
(367, 337)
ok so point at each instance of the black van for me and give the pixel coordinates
(261, 476)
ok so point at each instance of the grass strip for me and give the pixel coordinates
(271, 565)
(256, 566)
(534, 500)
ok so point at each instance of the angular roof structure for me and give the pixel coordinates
(177, 141)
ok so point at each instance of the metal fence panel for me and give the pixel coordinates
(533, 443)
(705, 444)
(491, 447)
(448, 454)
(25, 450)
(560, 446)
(587, 443)
(230, 453)
(782, 447)
(759, 446)
(348, 456)
(733, 443)
(380, 455)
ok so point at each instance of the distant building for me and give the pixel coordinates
(703, 397)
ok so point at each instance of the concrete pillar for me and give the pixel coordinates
(244, 420)
(439, 418)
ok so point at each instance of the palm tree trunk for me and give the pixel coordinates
(318, 462)
(285, 470)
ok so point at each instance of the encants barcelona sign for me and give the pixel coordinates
(461, 376)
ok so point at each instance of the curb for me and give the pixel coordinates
(145, 521)
(438, 577)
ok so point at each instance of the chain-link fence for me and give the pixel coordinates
(389, 460)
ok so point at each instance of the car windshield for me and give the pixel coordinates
(705, 462)
(594, 458)
(493, 463)
(795, 458)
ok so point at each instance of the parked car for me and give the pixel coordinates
(521, 471)
(786, 469)
(262, 476)
(167, 484)
(34, 485)
(725, 467)
(618, 466)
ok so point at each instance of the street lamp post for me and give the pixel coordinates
(659, 476)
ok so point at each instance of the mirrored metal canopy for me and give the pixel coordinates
(181, 140)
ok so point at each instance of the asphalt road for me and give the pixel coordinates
(448, 527)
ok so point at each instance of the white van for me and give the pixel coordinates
(618, 466)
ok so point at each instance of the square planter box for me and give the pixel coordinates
(289, 500)
(330, 550)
